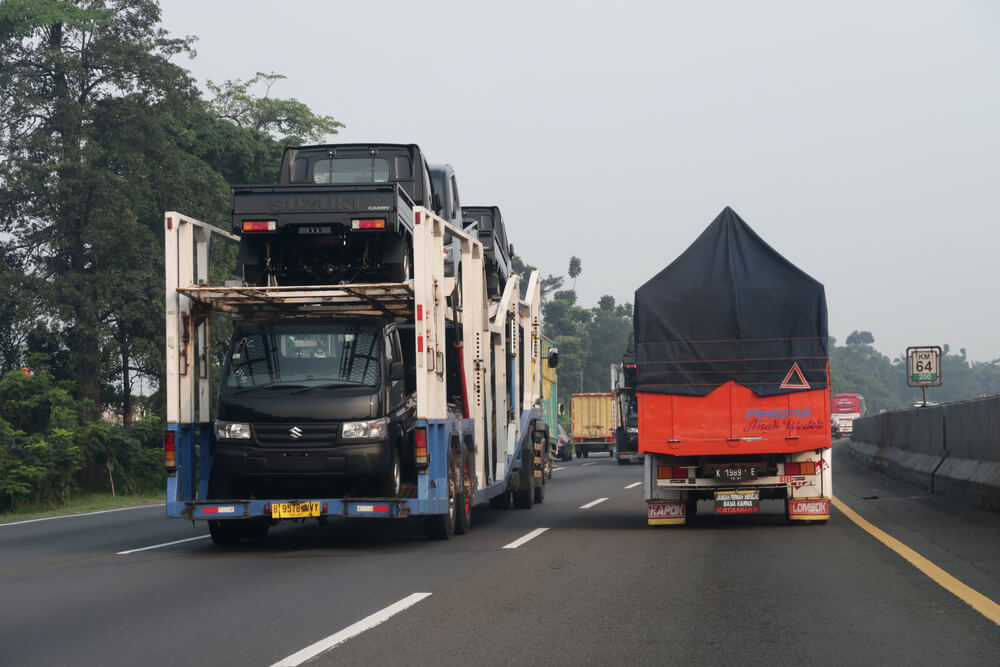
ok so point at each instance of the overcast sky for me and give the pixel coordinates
(860, 139)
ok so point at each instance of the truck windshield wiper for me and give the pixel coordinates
(272, 386)
(328, 385)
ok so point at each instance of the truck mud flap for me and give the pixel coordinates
(808, 509)
(666, 513)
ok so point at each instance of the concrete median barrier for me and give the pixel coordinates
(951, 449)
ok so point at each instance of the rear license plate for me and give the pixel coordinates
(294, 510)
(737, 472)
(739, 501)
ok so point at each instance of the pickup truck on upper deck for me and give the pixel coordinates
(339, 213)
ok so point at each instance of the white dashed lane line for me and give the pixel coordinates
(351, 631)
(592, 503)
(521, 540)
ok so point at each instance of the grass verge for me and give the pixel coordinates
(86, 502)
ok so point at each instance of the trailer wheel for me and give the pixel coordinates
(622, 462)
(524, 497)
(464, 501)
(442, 526)
(586, 452)
(224, 533)
(540, 493)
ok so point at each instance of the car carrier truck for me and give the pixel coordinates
(733, 382)
(411, 398)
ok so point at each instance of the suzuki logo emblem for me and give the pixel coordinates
(295, 432)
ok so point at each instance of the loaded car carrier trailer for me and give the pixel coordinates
(733, 381)
(490, 451)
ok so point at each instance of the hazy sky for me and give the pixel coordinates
(860, 139)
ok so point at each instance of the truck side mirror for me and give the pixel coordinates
(553, 357)
(436, 203)
(561, 408)
(511, 249)
(396, 371)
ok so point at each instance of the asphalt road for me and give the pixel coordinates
(597, 587)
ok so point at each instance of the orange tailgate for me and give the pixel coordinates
(733, 419)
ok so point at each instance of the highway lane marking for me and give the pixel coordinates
(160, 546)
(593, 463)
(72, 516)
(350, 631)
(554, 469)
(592, 503)
(521, 540)
(633, 485)
(966, 594)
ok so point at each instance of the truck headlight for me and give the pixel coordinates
(232, 431)
(632, 430)
(375, 428)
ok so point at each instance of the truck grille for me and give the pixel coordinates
(299, 435)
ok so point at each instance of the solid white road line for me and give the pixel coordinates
(158, 546)
(560, 468)
(594, 463)
(350, 631)
(521, 540)
(73, 516)
(592, 503)
(633, 485)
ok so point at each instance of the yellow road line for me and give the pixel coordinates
(969, 596)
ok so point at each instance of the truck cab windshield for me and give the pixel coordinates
(304, 354)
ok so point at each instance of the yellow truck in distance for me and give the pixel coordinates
(592, 423)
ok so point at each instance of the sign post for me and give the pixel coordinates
(923, 367)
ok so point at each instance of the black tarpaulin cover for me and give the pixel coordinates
(731, 308)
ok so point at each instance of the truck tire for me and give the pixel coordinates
(622, 462)
(442, 526)
(225, 533)
(463, 502)
(579, 453)
(586, 452)
(540, 492)
(524, 497)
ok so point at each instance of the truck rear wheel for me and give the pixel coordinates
(224, 533)
(464, 501)
(442, 526)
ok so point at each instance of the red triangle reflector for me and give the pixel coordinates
(789, 383)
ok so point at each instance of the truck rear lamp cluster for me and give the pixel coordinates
(368, 223)
(423, 459)
(170, 450)
(232, 430)
(366, 430)
(260, 225)
(797, 468)
(671, 472)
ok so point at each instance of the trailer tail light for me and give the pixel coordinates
(368, 223)
(423, 459)
(259, 225)
(671, 472)
(803, 468)
(170, 451)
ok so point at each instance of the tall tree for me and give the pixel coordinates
(66, 64)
